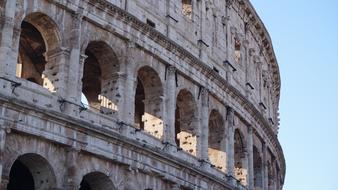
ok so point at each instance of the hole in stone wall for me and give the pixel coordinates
(151, 23)
(186, 122)
(187, 8)
(31, 61)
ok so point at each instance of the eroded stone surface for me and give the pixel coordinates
(179, 95)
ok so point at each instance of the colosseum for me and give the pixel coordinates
(137, 95)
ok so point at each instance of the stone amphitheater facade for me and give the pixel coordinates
(137, 95)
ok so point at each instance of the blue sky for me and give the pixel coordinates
(305, 39)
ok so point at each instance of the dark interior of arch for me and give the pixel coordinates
(216, 140)
(139, 104)
(151, 82)
(96, 181)
(148, 101)
(31, 60)
(31, 171)
(216, 130)
(91, 80)
(20, 178)
(238, 149)
(99, 67)
(185, 121)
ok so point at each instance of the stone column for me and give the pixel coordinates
(54, 76)
(170, 105)
(8, 57)
(128, 97)
(72, 178)
(250, 159)
(230, 143)
(265, 167)
(204, 126)
(75, 61)
(7, 63)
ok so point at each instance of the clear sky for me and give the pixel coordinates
(305, 39)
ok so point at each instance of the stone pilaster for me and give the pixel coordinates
(7, 63)
(250, 159)
(76, 60)
(204, 126)
(170, 105)
(130, 82)
(74, 70)
(54, 76)
(72, 179)
(265, 168)
(230, 145)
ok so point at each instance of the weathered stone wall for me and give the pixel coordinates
(180, 96)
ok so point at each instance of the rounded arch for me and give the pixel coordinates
(96, 181)
(186, 121)
(99, 80)
(149, 101)
(217, 140)
(40, 39)
(31, 171)
(47, 27)
(240, 156)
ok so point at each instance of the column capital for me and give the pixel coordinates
(250, 129)
(230, 110)
(171, 70)
(83, 57)
(204, 95)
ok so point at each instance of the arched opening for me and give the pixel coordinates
(186, 122)
(187, 8)
(38, 36)
(216, 140)
(30, 172)
(240, 157)
(99, 81)
(149, 102)
(31, 60)
(96, 181)
(258, 169)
